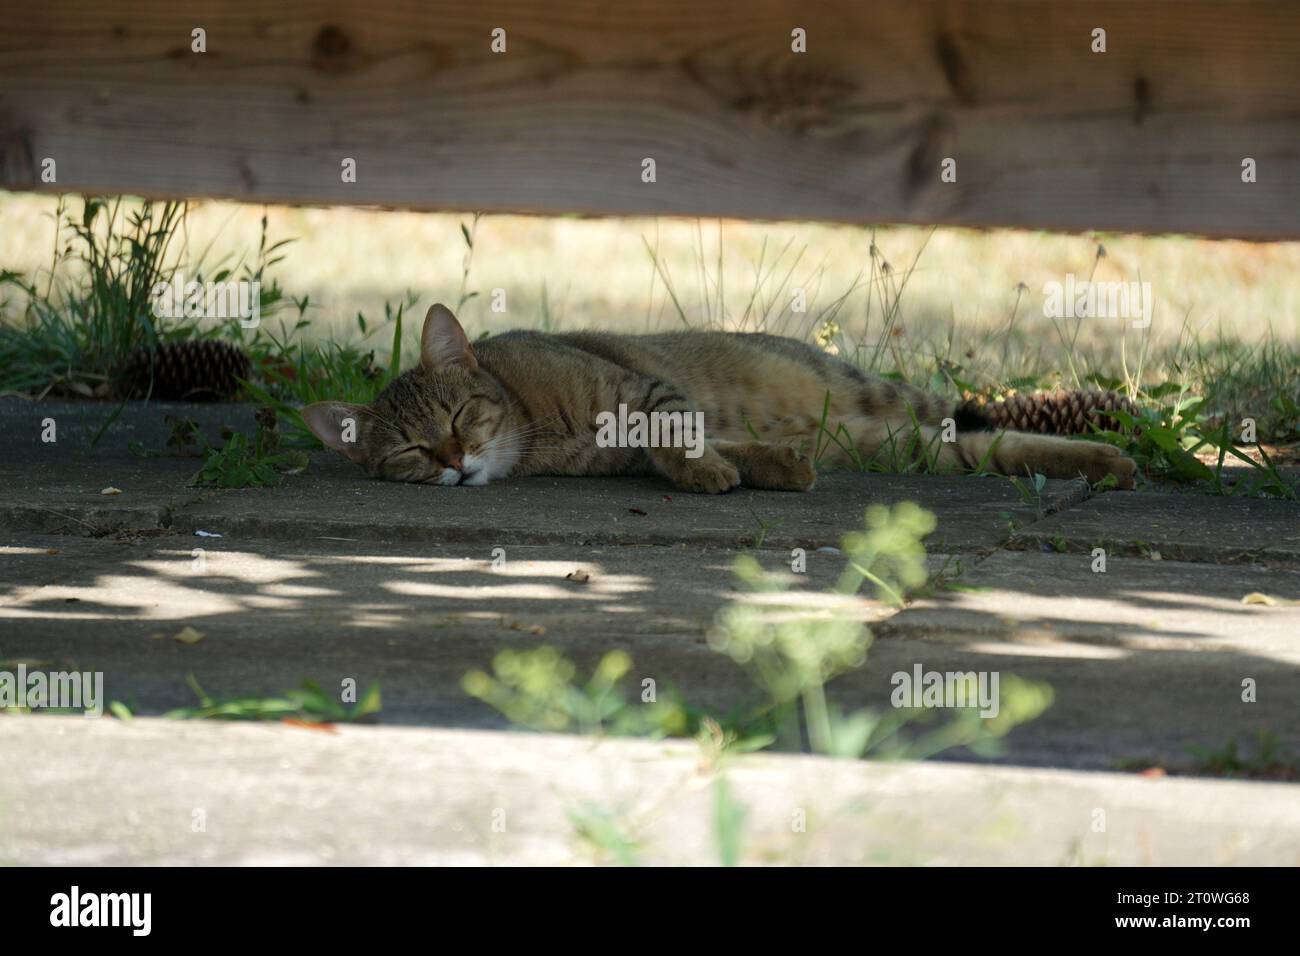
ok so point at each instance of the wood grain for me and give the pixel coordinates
(1148, 136)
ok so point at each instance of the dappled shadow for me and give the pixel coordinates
(271, 614)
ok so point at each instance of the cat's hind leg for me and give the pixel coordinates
(1019, 453)
(905, 445)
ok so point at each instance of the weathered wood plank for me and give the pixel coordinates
(1149, 136)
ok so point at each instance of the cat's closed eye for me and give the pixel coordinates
(460, 420)
(469, 414)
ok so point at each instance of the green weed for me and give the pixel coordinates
(789, 655)
(95, 307)
(309, 704)
(1270, 759)
(536, 689)
(244, 464)
(728, 822)
(1167, 435)
(606, 835)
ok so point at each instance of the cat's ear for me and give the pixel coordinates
(443, 344)
(339, 425)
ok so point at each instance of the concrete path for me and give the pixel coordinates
(333, 576)
(170, 792)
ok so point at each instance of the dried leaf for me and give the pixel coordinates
(310, 725)
(188, 635)
(1255, 597)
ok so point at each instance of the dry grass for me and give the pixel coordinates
(598, 272)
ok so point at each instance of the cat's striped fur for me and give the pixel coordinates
(528, 403)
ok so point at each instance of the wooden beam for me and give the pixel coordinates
(1148, 136)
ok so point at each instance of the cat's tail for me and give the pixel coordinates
(902, 401)
(971, 418)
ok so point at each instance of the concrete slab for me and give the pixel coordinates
(1136, 605)
(60, 485)
(1142, 664)
(1149, 656)
(973, 515)
(56, 486)
(1178, 526)
(170, 793)
(76, 424)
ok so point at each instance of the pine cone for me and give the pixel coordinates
(194, 370)
(1062, 412)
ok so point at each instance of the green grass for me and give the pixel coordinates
(1174, 426)
(1266, 759)
(92, 308)
(728, 822)
(308, 704)
(77, 329)
(294, 373)
(606, 835)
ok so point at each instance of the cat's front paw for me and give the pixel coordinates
(707, 476)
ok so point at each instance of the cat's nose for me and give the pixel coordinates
(451, 455)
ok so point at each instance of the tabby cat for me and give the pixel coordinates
(531, 403)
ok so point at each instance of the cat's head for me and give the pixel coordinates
(445, 422)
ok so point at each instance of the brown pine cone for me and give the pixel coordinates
(1062, 412)
(193, 370)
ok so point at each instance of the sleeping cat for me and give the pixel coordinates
(531, 403)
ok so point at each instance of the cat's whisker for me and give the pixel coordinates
(519, 438)
(519, 446)
(534, 436)
(531, 428)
